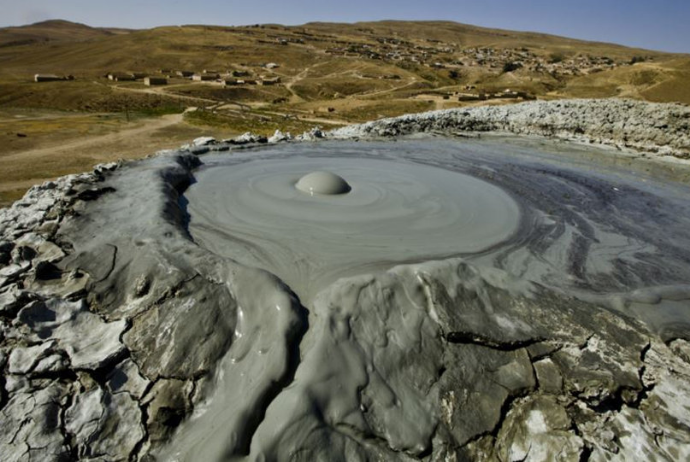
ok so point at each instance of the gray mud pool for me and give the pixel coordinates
(543, 212)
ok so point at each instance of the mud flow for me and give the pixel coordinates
(428, 287)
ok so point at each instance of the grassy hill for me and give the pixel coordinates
(334, 63)
(347, 59)
(55, 30)
(467, 36)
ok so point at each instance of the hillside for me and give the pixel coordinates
(315, 74)
(425, 50)
(466, 36)
(55, 30)
(333, 60)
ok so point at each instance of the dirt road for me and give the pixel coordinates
(97, 141)
(22, 169)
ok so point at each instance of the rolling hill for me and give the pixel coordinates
(323, 74)
(331, 60)
(55, 30)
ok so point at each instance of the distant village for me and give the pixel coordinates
(506, 60)
(440, 55)
(435, 54)
(162, 76)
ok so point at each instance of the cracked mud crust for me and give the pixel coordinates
(658, 130)
(121, 339)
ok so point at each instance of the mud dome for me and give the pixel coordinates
(327, 183)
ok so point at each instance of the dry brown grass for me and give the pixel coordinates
(56, 146)
(26, 130)
(658, 82)
(241, 94)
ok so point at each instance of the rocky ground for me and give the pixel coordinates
(113, 322)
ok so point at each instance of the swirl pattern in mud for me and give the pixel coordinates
(395, 211)
(607, 236)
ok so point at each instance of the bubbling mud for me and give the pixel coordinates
(388, 211)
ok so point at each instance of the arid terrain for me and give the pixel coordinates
(223, 81)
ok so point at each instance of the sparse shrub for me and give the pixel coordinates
(511, 66)
(453, 74)
(556, 58)
(638, 59)
(163, 109)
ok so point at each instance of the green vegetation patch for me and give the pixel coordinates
(251, 122)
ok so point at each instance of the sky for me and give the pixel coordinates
(652, 24)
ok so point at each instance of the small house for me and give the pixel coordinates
(47, 78)
(507, 93)
(270, 81)
(185, 74)
(151, 81)
(471, 97)
(121, 77)
(205, 77)
(526, 96)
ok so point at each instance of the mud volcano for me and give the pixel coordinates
(528, 247)
(504, 299)
(389, 210)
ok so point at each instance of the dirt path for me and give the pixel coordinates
(160, 91)
(81, 144)
(295, 98)
(385, 92)
(307, 118)
(23, 169)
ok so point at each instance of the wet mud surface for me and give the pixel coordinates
(583, 227)
(396, 211)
